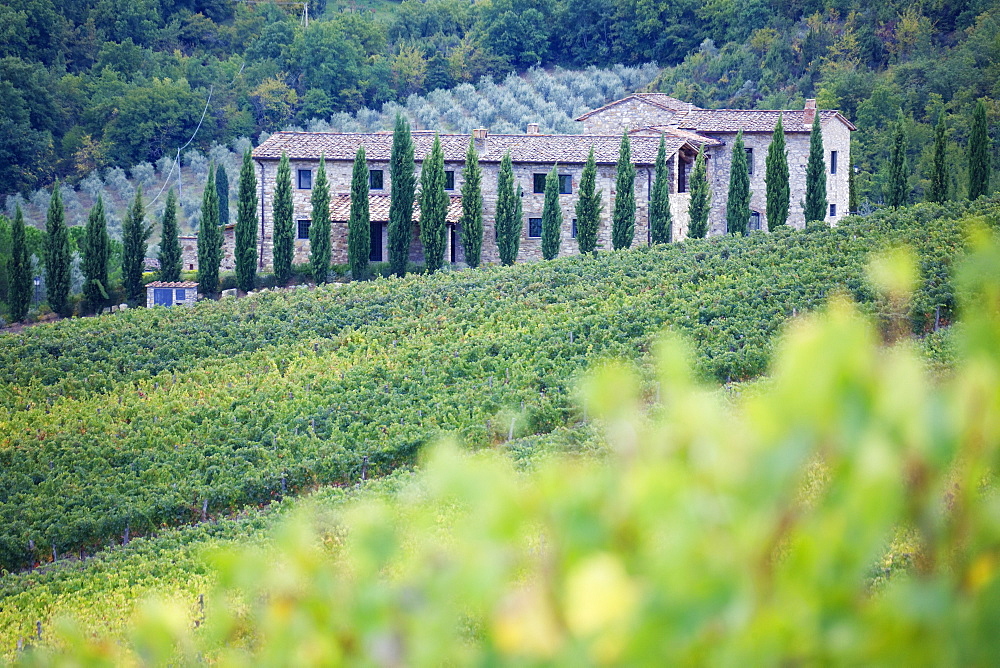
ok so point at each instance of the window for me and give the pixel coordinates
(565, 184)
(305, 179)
(304, 229)
(534, 228)
(449, 180)
(375, 252)
(190, 267)
(754, 224)
(375, 179)
(573, 228)
(539, 182)
(179, 294)
(682, 175)
(749, 161)
(833, 210)
(833, 164)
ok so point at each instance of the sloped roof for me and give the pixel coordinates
(172, 284)
(378, 208)
(753, 120)
(674, 131)
(661, 100)
(567, 149)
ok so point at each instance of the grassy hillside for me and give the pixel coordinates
(153, 418)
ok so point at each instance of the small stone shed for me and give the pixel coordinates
(175, 293)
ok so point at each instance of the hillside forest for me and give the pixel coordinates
(94, 86)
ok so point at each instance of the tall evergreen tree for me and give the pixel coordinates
(777, 191)
(433, 208)
(738, 203)
(319, 229)
(623, 215)
(898, 192)
(246, 226)
(588, 207)
(284, 225)
(661, 223)
(96, 252)
(403, 183)
(135, 232)
(209, 239)
(472, 207)
(222, 188)
(815, 205)
(170, 244)
(552, 218)
(359, 235)
(57, 259)
(701, 198)
(507, 222)
(979, 153)
(938, 189)
(19, 300)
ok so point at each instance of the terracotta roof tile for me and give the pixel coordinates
(566, 149)
(172, 284)
(674, 131)
(751, 120)
(378, 208)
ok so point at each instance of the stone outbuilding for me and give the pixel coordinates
(173, 293)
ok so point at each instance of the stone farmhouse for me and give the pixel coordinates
(645, 116)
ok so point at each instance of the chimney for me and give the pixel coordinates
(533, 128)
(479, 137)
(809, 114)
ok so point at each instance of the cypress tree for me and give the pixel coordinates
(209, 239)
(472, 207)
(57, 260)
(897, 194)
(738, 202)
(517, 221)
(96, 252)
(20, 269)
(284, 226)
(552, 218)
(938, 190)
(319, 229)
(660, 222)
(433, 208)
(815, 208)
(170, 245)
(701, 198)
(979, 153)
(588, 207)
(246, 226)
(134, 236)
(623, 216)
(403, 184)
(507, 222)
(359, 237)
(222, 189)
(778, 194)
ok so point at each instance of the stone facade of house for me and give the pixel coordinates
(646, 117)
(659, 113)
(177, 293)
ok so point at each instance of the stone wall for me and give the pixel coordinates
(836, 137)
(339, 177)
(631, 114)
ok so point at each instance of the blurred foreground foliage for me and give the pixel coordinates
(753, 534)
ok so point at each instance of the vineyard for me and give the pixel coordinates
(119, 426)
